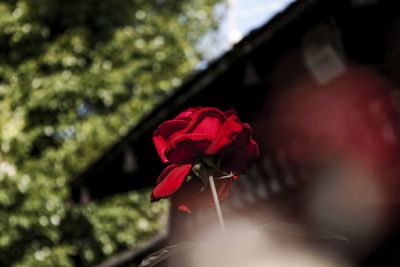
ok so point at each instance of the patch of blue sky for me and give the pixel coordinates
(241, 17)
(250, 14)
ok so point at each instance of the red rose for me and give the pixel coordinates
(203, 140)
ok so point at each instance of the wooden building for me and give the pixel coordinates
(312, 40)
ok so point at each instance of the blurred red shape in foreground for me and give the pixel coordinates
(354, 118)
(353, 122)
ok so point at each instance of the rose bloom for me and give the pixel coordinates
(196, 134)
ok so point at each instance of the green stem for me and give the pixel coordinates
(216, 203)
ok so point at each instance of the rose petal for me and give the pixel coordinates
(230, 112)
(239, 160)
(227, 134)
(170, 180)
(165, 133)
(235, 177)
(224, 187)
(241, 140)
(187, 114)
(206, 121)
(185, 209)
(190, 197)
(185, 148)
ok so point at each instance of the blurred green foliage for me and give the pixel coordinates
(74, 76)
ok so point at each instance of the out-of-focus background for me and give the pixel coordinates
(84, 83)
(74, 77)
